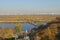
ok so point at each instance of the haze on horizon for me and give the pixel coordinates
(29, 6)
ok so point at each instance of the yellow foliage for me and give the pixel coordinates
(8, 33)
(18, 27)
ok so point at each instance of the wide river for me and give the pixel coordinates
(25, 26)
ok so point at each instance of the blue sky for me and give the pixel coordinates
(29, 6)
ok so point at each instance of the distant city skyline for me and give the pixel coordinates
(21, 7)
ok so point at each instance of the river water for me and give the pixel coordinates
(25, 26)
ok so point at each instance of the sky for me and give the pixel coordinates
(29, 6)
